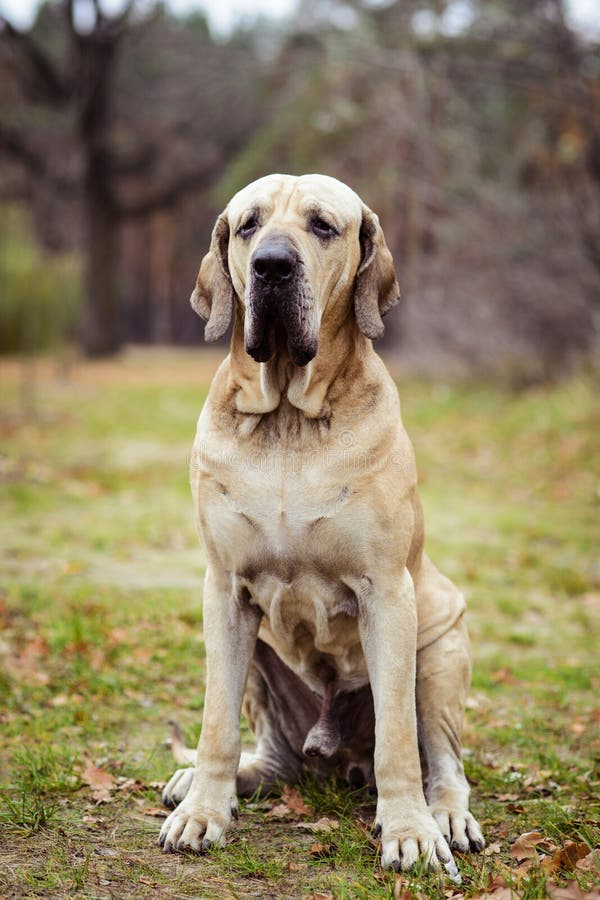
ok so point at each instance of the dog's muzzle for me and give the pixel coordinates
(279, 300)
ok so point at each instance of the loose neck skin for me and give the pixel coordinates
(262, 386)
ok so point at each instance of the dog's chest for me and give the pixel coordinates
(291, 533)
(312, 624)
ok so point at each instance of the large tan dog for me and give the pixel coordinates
(319, 603)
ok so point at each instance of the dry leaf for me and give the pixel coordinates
(403, 889)
(524, 846)
(281, 811)
(504, 676)
(497, 889)
(97, 659)
(294, 802)
(517, 808)
(589, 863)
(324, 825)
(59, 700)
(571, 891)
(159, 812)
(291, 807)
(491, 849)
(318, 851)
(323, 895)
(91, 820)
(566, 857)
(34, 649)
(101, 783)
(129, 785)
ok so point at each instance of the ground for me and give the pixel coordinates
(101, 640)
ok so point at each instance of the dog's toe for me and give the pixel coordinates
(177, 787)
(460, 829)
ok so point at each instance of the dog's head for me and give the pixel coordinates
(299, 254)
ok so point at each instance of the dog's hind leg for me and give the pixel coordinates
(443, 679)
(280, 710)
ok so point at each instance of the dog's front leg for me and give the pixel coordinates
(230, 631)
(388, 631)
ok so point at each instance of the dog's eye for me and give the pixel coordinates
(248, 227)
(322, 228)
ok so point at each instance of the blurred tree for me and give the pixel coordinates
(120, 115)
(472, 128)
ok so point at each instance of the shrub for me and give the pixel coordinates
(41, 295)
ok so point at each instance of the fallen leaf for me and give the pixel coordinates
(497, 889)
(101, 783)
(59, 700)
(517, 808)
(525, 844)
(504, 676)
(571, 891)
(158, 812)
(565, 858)
(280, 811)
(402, 893)
(291, 807)
(294, 801)
(589, 863)
(323, 895)
(34, 649)
(319, 851)
(96, 659)
(491, 849)
(129, 785)
(91, 820)
(324, 825)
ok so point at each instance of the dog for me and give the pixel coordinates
(323, 616)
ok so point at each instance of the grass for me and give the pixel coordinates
(101, 634)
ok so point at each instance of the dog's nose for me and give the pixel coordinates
(274, 262)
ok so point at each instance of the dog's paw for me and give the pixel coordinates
(195, 826)
(416, 840)
(460, 828)
(177, 787)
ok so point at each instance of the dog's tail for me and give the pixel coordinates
(181, 754)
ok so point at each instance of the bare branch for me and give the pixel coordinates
(134, 162)
(45, 78)
(14, 144)
(164, 197)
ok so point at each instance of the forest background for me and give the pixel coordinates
(472, 127)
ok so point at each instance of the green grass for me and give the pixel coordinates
(101, 635)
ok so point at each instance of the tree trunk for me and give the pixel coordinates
(102, 334)
(101, 325)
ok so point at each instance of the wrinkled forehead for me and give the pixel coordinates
(302, 193)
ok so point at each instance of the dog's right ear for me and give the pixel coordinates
(213, 297)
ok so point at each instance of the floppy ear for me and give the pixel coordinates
(375, 290)
(213, 297)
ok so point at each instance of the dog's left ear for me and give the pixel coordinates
(376, 289)
(213, 297)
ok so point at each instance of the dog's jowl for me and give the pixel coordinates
(324, 619)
